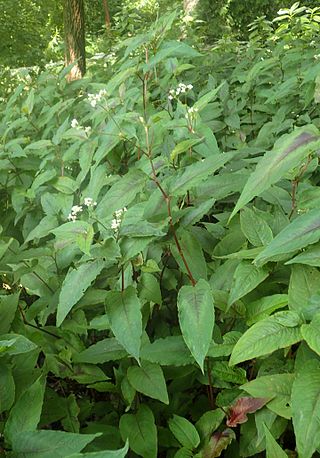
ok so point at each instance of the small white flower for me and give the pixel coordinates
(170, 97)
(76, 209)
(93, 103)
(88, 202)
(189, 86)
(74, 123)
(87, 129)
(72, 217)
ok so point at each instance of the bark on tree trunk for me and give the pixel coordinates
(189, 5)
(106, 13)
(74, 31)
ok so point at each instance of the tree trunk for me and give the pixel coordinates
(106, 13)
(189, 5)
(74, 32)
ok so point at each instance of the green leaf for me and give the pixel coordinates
(310, 257)
(194, 174)
(277, 331)
(263, 307)
(209, 422)
(184, 146)
(79, 232)
(49, 444)
(305, 402)
(273, 449)
(203, 101)
(310, 333)
(121, 193)
(287, 153)
(141, 431)
(196, 318)
(246, 278)
(150, 288)
(124, 312)
(277, 387)
(14, 344)
(7, 387)
(101, 352)
(184, 431)
(65, 185)
(76, 282)
(193, 254)
(170, 351)
(42, 229)
(255, 229)
(148, 379)
(121, 453)
(8, 308)
(304, 284)
(26, 412)
(302, 231)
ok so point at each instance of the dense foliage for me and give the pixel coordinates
(159, 250)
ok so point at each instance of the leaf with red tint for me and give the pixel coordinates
(218, 442)
(238, 412)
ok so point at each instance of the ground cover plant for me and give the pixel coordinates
(159, 251)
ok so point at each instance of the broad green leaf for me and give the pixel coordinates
(310, 257)
(277, 331)
(196, 318)
(8, 308)
(184, 431)
(76, 282)
(261, 308)
(101, 352)
(183, 146)
(121, 453)
(124, 313)
(201, 103)
(209, 422)
(304, 284)
(255, 229)
(7, 387)
(302, 231)
(193, 254)
(277, 387)
(273, 449)
(246, 278)
(148, 379)
(287, 153)
(78, 232)
(141, 431)
(310, 333)
(14, 344)
(49, 444)
(65, 185)
(26, 412)
(121, 193)
(305, 402)
(194, 174)
(217, 443)
(150, 288)
(170, 351)
(225, 348)
(43, 228)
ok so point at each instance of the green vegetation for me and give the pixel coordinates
(160, 240)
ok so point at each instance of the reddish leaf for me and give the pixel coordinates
(238, 412)
(218, 442)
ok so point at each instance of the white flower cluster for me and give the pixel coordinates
(75, 125)
(191, 112)
(181, 89)
(116, 222)
(95, 98)
(88, 202)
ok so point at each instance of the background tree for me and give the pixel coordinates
(74, 32)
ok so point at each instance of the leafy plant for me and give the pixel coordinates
(159, 254)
